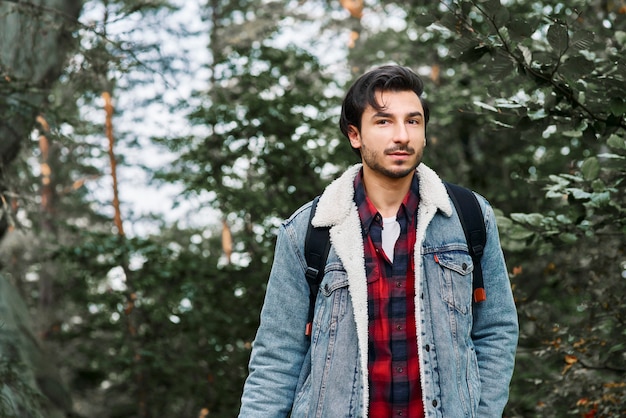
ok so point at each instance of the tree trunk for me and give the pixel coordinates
(35, 38)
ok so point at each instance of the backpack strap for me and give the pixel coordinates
(316, 248)
(471, 217)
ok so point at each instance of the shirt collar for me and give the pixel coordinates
(368, 212)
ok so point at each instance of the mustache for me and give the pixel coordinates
(400, 148)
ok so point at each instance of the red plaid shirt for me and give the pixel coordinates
(393, 364)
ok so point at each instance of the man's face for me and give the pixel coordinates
(391, 140)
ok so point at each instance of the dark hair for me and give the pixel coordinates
(363, 93)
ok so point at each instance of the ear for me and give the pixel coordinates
(354, 136)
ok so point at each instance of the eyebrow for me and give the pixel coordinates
(388, 115)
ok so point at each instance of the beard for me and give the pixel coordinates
(375, 162)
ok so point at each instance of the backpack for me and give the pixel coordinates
(317, 245)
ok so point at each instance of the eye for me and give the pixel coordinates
(413, 121)
(382, 122)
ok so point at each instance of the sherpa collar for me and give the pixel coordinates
(337, 202)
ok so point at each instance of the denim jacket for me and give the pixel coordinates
(466, 350)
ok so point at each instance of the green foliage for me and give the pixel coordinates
(18, 397)
(270, 143)
(168, 334)
(267, 131)
(29, 383)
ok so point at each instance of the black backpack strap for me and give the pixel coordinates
(316, 248)
(471, 217)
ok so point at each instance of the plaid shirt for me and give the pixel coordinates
(393, 364)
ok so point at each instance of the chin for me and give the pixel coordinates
(399, 174)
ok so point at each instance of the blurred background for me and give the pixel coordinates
(149, 150)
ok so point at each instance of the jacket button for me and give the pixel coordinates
(435, 403)
(464, 266)
(427, 347)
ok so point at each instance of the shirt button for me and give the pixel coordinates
(399, 327)
(399, 369)
(398, 284)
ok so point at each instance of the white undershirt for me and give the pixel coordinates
(390, 234)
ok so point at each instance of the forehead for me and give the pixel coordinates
(391, 100)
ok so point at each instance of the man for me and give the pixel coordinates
(395, 331)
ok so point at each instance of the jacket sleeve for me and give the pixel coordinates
(495, 330)
(280, 346)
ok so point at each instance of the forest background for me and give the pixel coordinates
(107, 310)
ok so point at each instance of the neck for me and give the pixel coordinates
(386, 193)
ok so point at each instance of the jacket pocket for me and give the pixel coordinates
(455, 275)
(334, 292)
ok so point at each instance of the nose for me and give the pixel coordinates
(401, 134)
